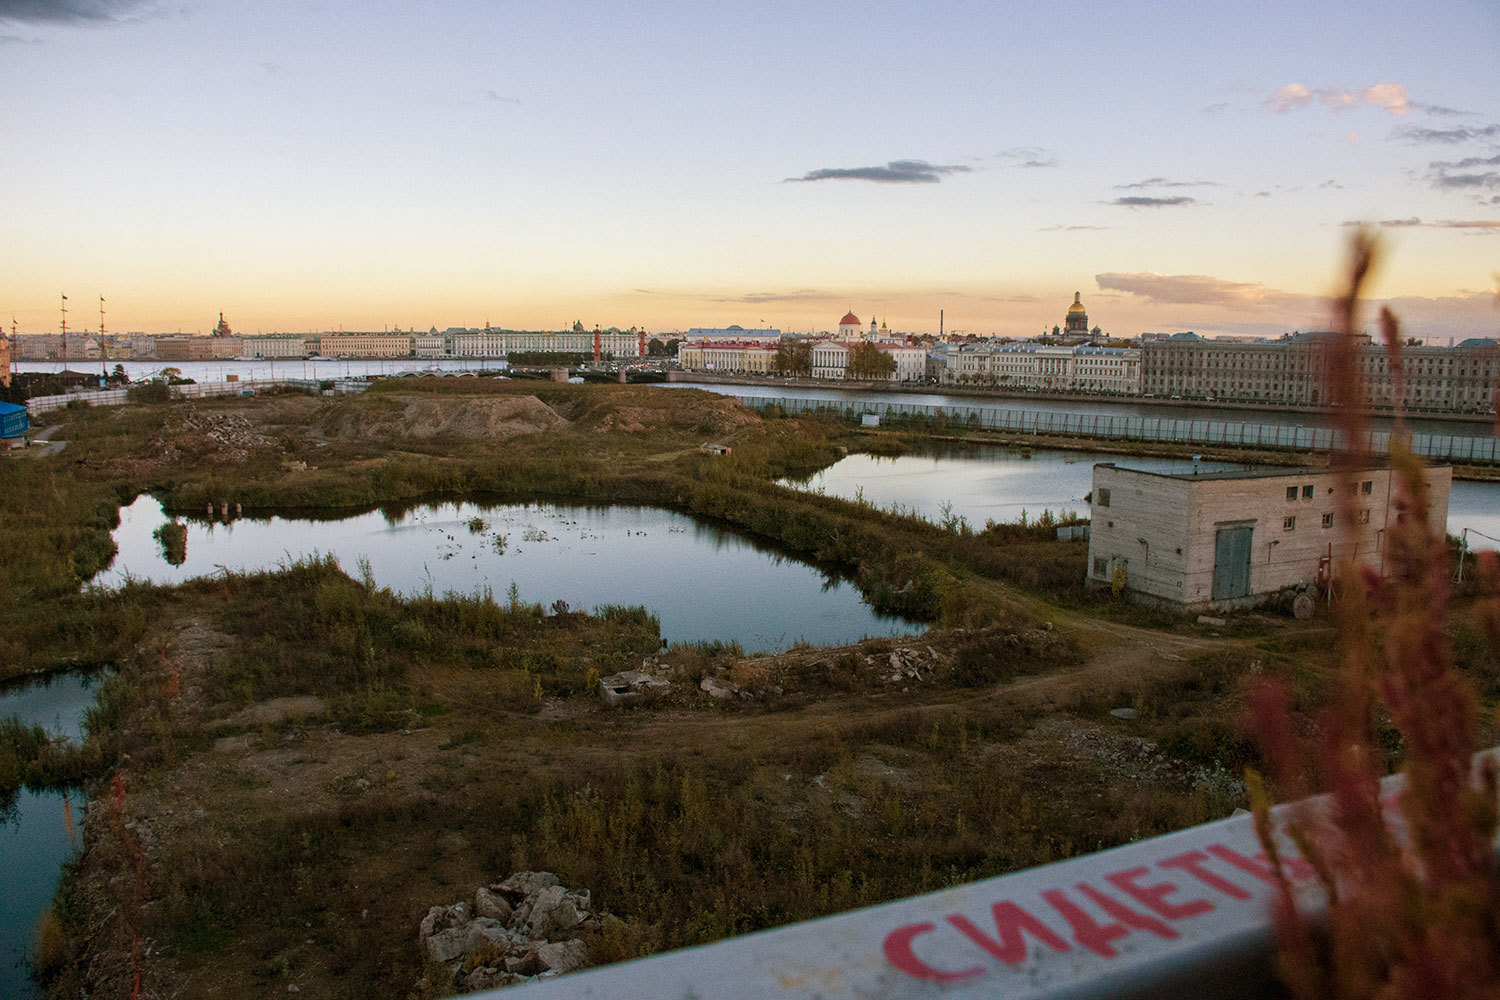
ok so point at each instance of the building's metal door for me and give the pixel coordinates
(1231, 563)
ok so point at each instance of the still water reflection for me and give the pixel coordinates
(34, 839)
(703, 582)
(992, 483)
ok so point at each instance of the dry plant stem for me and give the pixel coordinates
(1409, 915)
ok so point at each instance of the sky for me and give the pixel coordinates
(317, 166)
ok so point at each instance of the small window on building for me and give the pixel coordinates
(1307, 492)
(1327, 520)
(1367, 487)
(1103, 497)
(1291, 492)
(1288, 524)
(1364, 517)
(1101, 566)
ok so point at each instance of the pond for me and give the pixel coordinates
(34, 837)
(704, 582)
(986, 482)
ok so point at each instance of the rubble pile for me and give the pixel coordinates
(226, 435)
(513, 932)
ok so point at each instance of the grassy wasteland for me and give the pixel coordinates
(288, 768)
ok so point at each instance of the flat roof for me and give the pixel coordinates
(1263, 473)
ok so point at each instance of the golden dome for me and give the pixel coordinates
(1077, 306)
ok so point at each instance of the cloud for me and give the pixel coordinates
(1071, 229)
(1389, 96)
(1162, 182)
(760, 298)
(1262, 194)
(1460, 175)
(1331, 184)
(1146, 201)
(1027, 156)
(490, 95)
(1202, 290)
(1293, 95)
(1461, 133)
(70, 11)
(894, 172)
(1214, 109)
(1484, 226)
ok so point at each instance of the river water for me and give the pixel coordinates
(34, 840)
(702, 581)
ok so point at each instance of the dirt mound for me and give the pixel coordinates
(426, 417)
(713, 415)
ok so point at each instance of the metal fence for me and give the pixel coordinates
(1124, 427)
(191, 390)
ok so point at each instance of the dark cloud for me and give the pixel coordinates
(1262, 194)
(1461, 175)
(1446, 136)
(1439, 110)
(1214, 109)
(1145, 201)
(1162, 182)
(1473, 225)
(894, 172)
(1071, 229)
(70, 11)
(1335, 185)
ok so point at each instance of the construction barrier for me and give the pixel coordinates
(1127, 427)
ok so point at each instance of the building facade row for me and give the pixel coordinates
(1046, 367)
(1296, 371)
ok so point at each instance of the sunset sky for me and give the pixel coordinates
(364, 165)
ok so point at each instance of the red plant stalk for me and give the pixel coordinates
(1415, 913)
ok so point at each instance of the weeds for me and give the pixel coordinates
(1413, 915)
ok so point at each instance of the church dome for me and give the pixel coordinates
(1077, 306)
(849, 320)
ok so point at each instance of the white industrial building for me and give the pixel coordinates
(1219, 540)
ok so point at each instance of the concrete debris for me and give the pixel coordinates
(908, 665)
(631, 686)
(226, 435)
(505, 938)
(718, 687)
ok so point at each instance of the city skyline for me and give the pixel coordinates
(371, 166)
